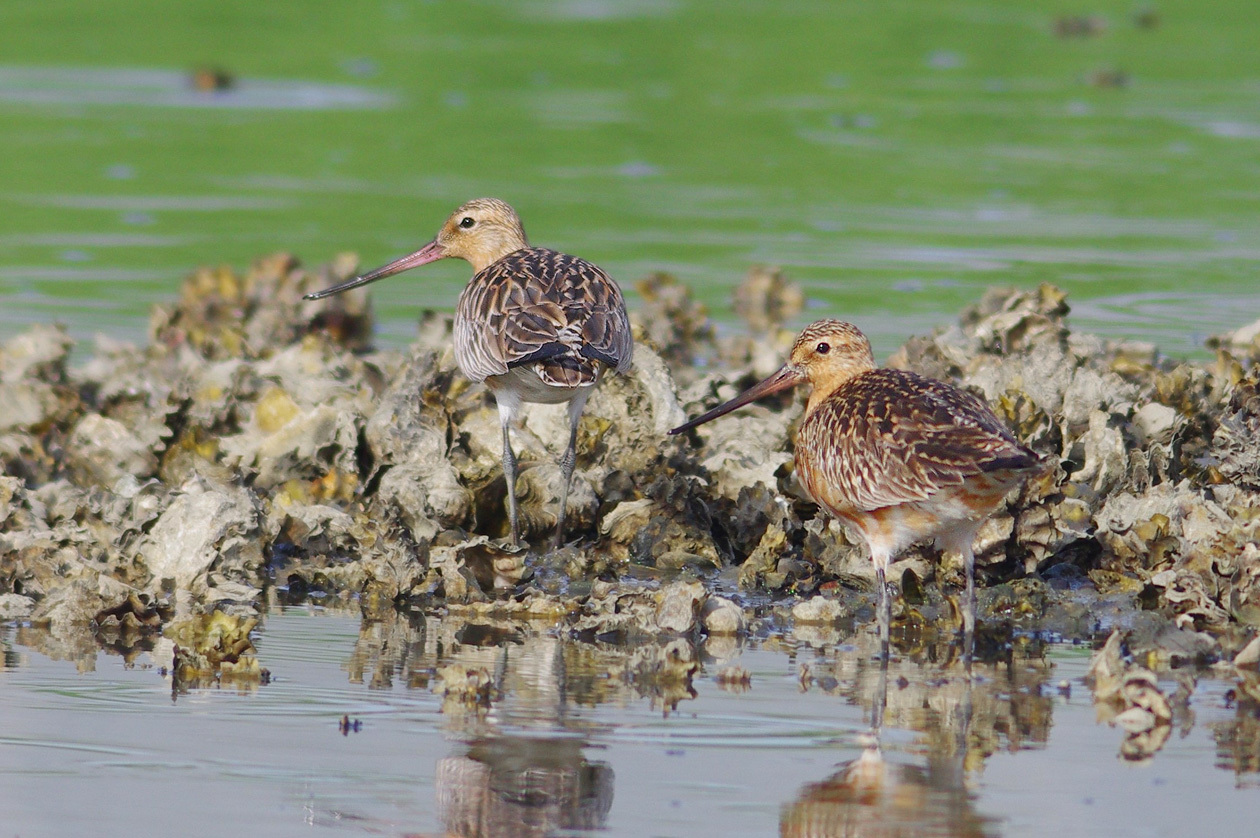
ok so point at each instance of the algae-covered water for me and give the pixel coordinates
(94, 743)
(894, 157)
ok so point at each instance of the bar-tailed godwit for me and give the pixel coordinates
(899, 457)
(535, 325)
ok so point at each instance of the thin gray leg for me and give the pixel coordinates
(569, 460)
(885, 610)
(969, 607)
(509, 474)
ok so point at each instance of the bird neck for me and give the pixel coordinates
(492, 248)
(827, 382)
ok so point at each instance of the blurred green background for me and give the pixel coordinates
(894, 157)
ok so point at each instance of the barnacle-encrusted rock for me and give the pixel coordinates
(818, 610)
(306, 420)
(721, 616)
(622, 449)
(102, 450)
(678, 606)
(224, 314)
(424, 497)
(761, 566)
(1249, 655)
(408, 435)
(624, 611)
(34, 386)
(257, 441)
(538, 490)
(624, 425)
(624, 522)
(1236, 440)
(9, 488)
(1137, 527)
(80, 600)
(645, 531)
(15, 606)
(205, 530)
(214, 648)
(473, 569)
(746, 451)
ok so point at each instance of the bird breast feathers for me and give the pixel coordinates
(891, 437)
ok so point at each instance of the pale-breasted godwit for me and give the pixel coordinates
(899, 457)
(535, 325)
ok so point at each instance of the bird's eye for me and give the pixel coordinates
(822, 348)
(467, 222)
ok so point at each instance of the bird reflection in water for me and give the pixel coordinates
(533, 780)
(520, 770)
(508, 786)
(963, 717)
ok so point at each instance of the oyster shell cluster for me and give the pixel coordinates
(258, 449)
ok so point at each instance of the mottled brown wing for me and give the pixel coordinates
(891, 437)
(538, 306)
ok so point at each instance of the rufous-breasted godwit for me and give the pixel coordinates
(535, 325)
(899, 457)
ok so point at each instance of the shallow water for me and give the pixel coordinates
(572, 745)
(893, 157)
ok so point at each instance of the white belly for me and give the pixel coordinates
(523, 383)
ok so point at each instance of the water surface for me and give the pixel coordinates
(581, 739)
(893, 157)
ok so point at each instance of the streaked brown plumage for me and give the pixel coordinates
(897, 456)
(537, 306)
(534, 324)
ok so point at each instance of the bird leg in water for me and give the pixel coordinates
(884, 615)
(969, 607)
(961, 543)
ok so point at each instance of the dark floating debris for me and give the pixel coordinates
(210, 79)
(1108, 78)
(1147, 17)
(1079, 26)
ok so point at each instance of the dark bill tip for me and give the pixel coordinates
(431, 252)
(786, 377)
(337, 289)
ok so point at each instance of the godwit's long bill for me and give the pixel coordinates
(535, 325)
(899, 457)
